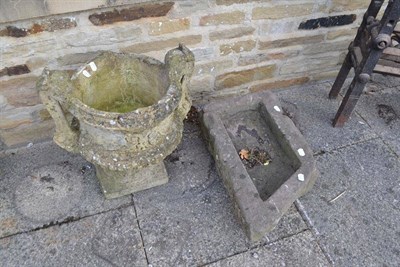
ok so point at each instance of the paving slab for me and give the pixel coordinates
(383, 81)
(191, 220)
(381, 109)
(297, 250)
(378, 106)
(107, 239)
(354, 207)
(312, 112)
(44, 185)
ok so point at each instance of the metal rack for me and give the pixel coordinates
(371, 51)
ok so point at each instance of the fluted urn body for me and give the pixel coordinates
(122, 112)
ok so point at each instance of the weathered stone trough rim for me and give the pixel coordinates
(270, 209)
(156, 112)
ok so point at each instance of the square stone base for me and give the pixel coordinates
(120, 183)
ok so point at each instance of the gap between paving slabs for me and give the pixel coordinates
(107, 239)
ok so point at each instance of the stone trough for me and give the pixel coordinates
(264, 191)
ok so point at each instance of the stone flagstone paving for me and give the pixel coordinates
(350, 218)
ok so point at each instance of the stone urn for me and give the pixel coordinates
(122, 112)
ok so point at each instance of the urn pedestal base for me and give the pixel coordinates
(119, 183)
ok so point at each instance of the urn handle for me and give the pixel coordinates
(180, 64)
(53, 89)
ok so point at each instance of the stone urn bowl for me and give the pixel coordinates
(122, 112)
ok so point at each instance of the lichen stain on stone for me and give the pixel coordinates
(18, 70)
(133, 13)
(16, 32)
(36, 28)
(49, 25)
(53, 24)
(14, 70)
(3, 72)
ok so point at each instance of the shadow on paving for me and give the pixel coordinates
(44, 185)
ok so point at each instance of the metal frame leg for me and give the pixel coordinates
(380, 39)
(341, 78)
(350, 100)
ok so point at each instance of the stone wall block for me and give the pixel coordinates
(326, 75)
(56, 6)
(345, 5)
(12, 11)
(18, 116)
(204, 53)
(19, 52)
(279, 84)
(168, 26)
(237, 78)
(34, 63)
(20, 92)
(341, 33)
(326, 47)
(27, 133)
(310, 65)
(200, 84)
(276, 27)
(162, 44)
(231, 33)
(262, 57)
(291, 40)
(231, 2)
(214, 67)
(106, 36)
(237, 47)
(189, 8)
(235, 17)
(282, 11)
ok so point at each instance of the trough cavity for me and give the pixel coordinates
(249, 130)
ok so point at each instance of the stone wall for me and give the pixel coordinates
(241, 46)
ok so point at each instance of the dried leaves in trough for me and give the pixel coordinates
(253, 157)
